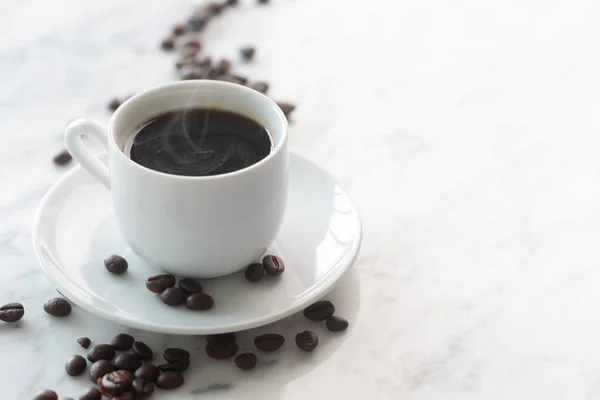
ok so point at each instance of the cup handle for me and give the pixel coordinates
(75, 131)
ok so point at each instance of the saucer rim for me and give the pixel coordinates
(84, 300)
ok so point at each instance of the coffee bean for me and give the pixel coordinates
(62, 158)
(262, 87)
(222, 337)
(221, 349)
(142, 388)
(172, 296)
(168, 43)
(122, 341)
(190, 286)
(76, 365)
(11, 312)
(169, 380)
(263, 1)
(254, 272)
(147, 372)
(101, 352)
(247, 53)
(307, 340)
(224, 66)
(174, 354)
(91, 394)
(215, 8)
(115, 383)
(99, 369)
(142, 351)
(116, 264)
(246, 361)
(179, 29)
(229, 78)
(114, 104)
(193, 44)
(199, 301)
(269, 341)
(57, 307)
(158, 283)
(124, 396)
(84, 342)
(197, 22)
(319, 311)
(186, 62)
(179, 366)
(336, 324)
(126, 361)
(241, 79)
(273, 265)
(287, 108)
(46, 395)
(189, 52)
(231, 2)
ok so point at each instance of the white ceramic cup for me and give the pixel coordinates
(201, 227)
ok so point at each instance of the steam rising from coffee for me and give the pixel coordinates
(199, 142)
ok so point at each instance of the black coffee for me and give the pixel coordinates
(199, 142)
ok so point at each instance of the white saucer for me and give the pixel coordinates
(75, 230)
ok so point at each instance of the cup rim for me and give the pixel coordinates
(197, 83)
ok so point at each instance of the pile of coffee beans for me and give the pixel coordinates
(271, 265)
(121, 370)
(188, 292)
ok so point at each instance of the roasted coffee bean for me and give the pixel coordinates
(179, 366)
(269, 341)
(215, 8)
(179, 29)
(57, 307)
(194, 44)
(115, 383)
(287, 108)
(126, 361)
(199, 301)
(116, 264)
(168, 43)
(158, 283)
(169, 380)
(222, 337)
(91, 394)
(336, 324)
(11, 312)
(229, 78)
(224, 66)
(101, 352)
(186, 62)
(114, 104)
(189, 52)
(190, 286)
(174, 354)
(172, 296)
(46, 395)
(84, 342)
(99, 369)
(147, 372)
(122, 341)
(254, 272)
(62, 158)
(242, 79)
(247, 52)
(124, 396)
(221, 349)
(273, 265)
(246, 361)
(231, 2)
(307, 340)
(142, 351)
(76, 365)
(197, 22)
(319, 311)
(142, 388)
(262, 87)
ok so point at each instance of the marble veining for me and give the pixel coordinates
(466, 131)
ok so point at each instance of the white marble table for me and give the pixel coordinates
(468, 132)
